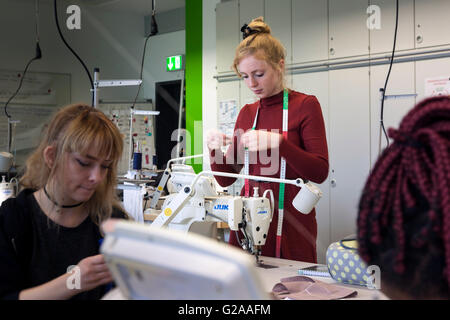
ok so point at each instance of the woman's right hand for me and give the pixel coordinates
(94, 272)
(216, 139)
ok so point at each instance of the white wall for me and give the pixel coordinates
(209, 85)
(111, 41)
(158, 48)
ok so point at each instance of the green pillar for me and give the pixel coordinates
(194, 81)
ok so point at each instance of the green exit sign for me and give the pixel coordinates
(174, 63)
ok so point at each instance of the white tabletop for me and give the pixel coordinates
(285, 268)
(289, 268)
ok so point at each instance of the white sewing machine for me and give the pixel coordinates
(194, 200)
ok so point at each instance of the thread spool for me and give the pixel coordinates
(137, 161)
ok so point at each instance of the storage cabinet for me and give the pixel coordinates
(278, 17)
(432, 23)
(348, 32)
(249, 10)
(349, 147)
(400, 99)
(382, 33)
(309, 30)
(227, 30)
(317, 84)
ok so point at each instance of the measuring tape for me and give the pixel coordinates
(246, 161)
(282, 172)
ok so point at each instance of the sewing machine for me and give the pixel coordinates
(202, 204)
(193, 199)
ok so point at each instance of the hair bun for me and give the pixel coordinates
(259, 25)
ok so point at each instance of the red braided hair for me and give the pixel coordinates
(404, 210)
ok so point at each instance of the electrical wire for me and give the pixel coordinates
(387, 77)
(71, 50)
(153, 31)
(37, 56)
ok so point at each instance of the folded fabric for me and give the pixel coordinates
(305, 288)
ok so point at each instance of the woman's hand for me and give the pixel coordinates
(94, 272)
(216, 139)
(260, 140)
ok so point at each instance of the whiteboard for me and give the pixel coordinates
(39, 97)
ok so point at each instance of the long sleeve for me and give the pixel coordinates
(309, 158)
(12, 275)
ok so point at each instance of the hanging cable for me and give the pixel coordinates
(71, 50)
(387, 77)
(38, 55)
(153, 31)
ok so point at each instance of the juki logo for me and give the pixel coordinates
(221, 207)
(262, 212)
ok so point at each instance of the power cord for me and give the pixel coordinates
(153, 31)
(387, 77)
(38, 55)
(71, 50)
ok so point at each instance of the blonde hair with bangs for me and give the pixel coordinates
(78, 128)
(262, 45)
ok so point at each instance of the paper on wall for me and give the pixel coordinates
(437, 86)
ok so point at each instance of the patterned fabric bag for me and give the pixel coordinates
(346, 266)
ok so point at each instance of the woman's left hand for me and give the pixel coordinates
(260, 140)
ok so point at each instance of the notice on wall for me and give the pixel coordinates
(437, 86)
(228, 112)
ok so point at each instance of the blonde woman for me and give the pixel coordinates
(260, 62)
(49, 234)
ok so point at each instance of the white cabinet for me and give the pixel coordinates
(246, 95)
(309, 30)
(227, 91)
(249, 10)
(227, 34)
(382, 25)
(401, 85)
(317, 84)
(278, 17)
(348, 32)
(349, 146)
(432, 22)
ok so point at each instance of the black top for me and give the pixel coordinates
(35, 250)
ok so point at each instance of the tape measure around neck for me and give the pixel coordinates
(282, 171)
(246, 160)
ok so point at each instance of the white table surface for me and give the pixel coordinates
(285, 268)
(289, 268)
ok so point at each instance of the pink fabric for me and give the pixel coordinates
(305, 288)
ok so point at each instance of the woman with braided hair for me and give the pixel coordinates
(283, 133)
(404, 210)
